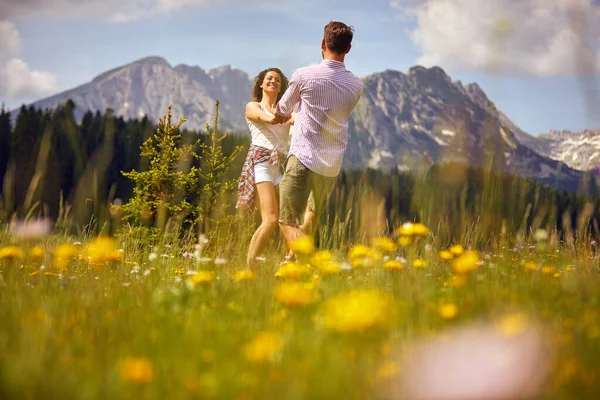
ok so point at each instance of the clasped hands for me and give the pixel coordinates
(278, 119)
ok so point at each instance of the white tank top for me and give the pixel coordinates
(270, 136)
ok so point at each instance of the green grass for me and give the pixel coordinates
(64, 335)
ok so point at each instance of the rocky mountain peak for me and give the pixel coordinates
(476, 93)
(143, 62)
(434, 76)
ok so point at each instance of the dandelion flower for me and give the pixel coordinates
(36, 253)
(445, 255)
(448, 310)
(63, 254)
(102, 249)
(466, 262)
(419, 263)
(136, 370)
(243, 275)
(303, 245)
(384, 244)
(295, 294)
(11, 253)
(456, 250)
(548, 270)
(513, 324)
(364, 256)
(263, 348)
(456, 281)
(393, 265)
(530, 266)
(292, 270)
(359, 251)
(413, 229)
(355, 311)
(202, 278)
(405, 241)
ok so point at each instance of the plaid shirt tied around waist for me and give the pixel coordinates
(246, 185)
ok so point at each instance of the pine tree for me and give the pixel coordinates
(214, 166)
(161, 192)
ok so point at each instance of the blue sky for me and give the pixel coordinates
(526, 68)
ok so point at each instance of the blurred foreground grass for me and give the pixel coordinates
(125, 320)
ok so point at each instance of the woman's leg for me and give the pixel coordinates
(269, 213)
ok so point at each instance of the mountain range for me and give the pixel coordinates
(400, 121)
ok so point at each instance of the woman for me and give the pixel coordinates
(262, 171)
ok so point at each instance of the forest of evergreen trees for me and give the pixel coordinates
(51, 165)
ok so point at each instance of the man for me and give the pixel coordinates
(323, 96)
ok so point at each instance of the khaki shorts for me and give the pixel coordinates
(300, 186)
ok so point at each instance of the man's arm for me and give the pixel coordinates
(290, 98)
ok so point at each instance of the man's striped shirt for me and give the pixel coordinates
(324, 95)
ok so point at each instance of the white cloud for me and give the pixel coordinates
(19, 81)
(10, 41)
(533, 37)
(112, 10)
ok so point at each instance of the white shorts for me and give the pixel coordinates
(263, 172)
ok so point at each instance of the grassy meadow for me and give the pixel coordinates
(495, 295)
(118, 318)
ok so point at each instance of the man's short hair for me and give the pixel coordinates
(338, 37)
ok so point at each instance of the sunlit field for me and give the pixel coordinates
(395, 317)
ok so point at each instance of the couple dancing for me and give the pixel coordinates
(292, 184)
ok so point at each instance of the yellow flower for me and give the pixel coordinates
(202, 278)
(330, 268)
(364, 256)
(36, 253)
(410, 229)
(102, 249)
(548, 270)
(11, 253)
(388, 369)
(513, 324)
(466, 262)
(243, 275)
(355, 311)
(263, 348)
(456, 250)
(405, 241)
(292, 270)
(530, 266)
(325, 262)
(456, 281)
(295, 294)
(323, 256)
(448, 310)
(420, 230)
(136, 370)
(62, 255)
(359, 251)
(303, 245)
(419, 263)
(384, 244)
(393, 265)
(406, 229)
(445, 255)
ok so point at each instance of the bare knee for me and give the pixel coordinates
(270, 222)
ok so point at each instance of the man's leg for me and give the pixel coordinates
(309, 224)
(322, 187)
(293, 193)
